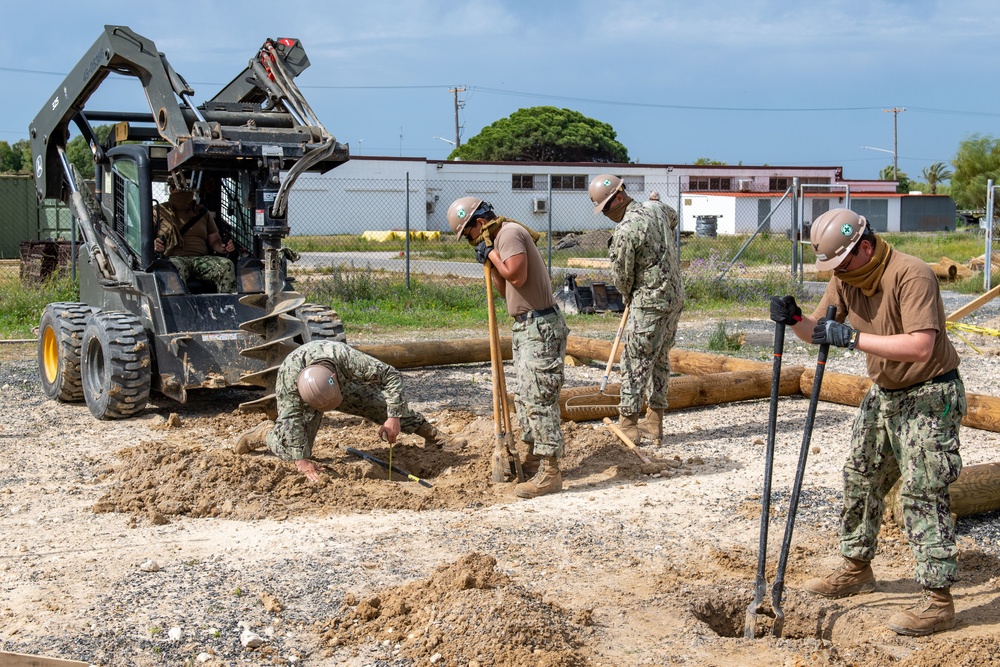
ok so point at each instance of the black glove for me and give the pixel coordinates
(832, 332)
(785, 311)
(483, 252)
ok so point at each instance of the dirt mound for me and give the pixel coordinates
(192, 471)
(466, 613)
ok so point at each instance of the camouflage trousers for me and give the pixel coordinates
(219, 270)
(645, 362)
(913, 434)
(539, 346)
(360, 400)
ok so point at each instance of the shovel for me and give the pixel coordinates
(607, 369)
(505, 462)
(779, 580)
(760, 585)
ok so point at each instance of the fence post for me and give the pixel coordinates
(680, 218)
(549, 215)
(988, 267)
(795, 225)
(407, 253)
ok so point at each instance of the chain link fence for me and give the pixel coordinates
(397, 227)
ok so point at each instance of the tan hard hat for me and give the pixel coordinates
(318, 387)
(834, 234)
(603, 188)
(462, 211)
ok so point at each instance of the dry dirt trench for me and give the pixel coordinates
(142, 543)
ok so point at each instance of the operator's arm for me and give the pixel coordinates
(216, 244)
(624, 248)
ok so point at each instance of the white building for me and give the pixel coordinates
(383, 193)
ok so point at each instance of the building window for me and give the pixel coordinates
(713, 183)
(634, 184)
(777, 184)
(523, 182)
(569, 182)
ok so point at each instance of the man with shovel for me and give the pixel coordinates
(328, 375)
(646, 270)
(908, 422)
(538, 336)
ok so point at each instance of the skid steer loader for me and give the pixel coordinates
(139, 327)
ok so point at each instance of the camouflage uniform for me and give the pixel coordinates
(371, 389)
(913, 433)
(539, 346)
(219, 270)
(646, 270)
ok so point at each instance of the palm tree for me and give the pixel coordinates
(935, 174)
(902, 180)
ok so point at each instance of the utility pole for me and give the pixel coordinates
(895, 146)
(458, 105)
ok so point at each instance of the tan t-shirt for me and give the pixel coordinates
(195, 240)
(536, 292)
(908, 300)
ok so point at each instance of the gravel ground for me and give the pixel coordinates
(620, 569)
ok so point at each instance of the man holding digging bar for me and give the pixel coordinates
(538, 335)
(908, 422)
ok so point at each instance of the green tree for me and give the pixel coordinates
(23, 147)
(977, 161)
(709, 161)
(10, 159)
(544, 134)
(903, 183)
(935, 174)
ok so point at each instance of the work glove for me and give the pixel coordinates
(784, 310)
(832, 332)
(483, 252)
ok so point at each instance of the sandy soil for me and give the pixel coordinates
(149, 542)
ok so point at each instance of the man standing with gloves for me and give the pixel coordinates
(908, 422)
(538, 335)
(646, 270)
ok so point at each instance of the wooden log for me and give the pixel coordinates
(944, 271)
(976, 490)
(436, 353)
(686, 362)
(587, 403)
(25, 660)
(983, 413)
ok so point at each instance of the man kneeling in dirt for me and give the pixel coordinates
(327, 375)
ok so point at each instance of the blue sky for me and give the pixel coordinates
(751, 81)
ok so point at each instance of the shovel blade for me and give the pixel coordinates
(500, 464)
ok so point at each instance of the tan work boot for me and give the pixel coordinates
(255, 438)
(629, 425)
(548, 479)
(531, 463)
(651, 425)
(935, 611)
(438, 439)
(852, 577)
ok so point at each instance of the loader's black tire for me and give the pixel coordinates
(115, 365)
(322, 323)
(60, 336)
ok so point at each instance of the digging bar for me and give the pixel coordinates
(760, 585)
(778, 589)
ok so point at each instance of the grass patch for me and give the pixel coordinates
(21, 306)
(723, 341)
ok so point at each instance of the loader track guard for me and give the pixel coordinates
(142, 327)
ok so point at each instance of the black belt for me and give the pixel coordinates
(531, 314)
(944, 377)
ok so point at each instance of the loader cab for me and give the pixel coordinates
(127, 199)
